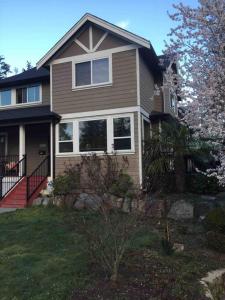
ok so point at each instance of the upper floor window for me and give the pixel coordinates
(28, 94)
(5, 98)
(92, 72)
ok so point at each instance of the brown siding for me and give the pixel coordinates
(97, 34)
(45, 93)
(122, 93)
(146, 86)
(72, 50)
(133, 168)
(112, 41)
(84, 38)
(158, 103)
(36, 135)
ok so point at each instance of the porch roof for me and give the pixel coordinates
(27, 114)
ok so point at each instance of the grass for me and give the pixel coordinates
(43, 256)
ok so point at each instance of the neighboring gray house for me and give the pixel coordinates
(93, 91)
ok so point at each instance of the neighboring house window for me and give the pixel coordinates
(66, 137)
(5, 98)
(93, 135)
(92, 72)
(96, 135)
(28, 94)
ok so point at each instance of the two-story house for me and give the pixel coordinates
(93, 91)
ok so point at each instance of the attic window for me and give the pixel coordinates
(92, 73)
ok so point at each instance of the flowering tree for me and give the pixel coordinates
(198, 41)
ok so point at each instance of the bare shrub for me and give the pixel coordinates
(109, 239)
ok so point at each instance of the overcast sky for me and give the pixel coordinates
(29, 28)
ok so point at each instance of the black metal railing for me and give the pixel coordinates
(12, 170)
(37, 177)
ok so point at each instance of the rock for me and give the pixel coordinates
(37, 201)
(88, 201)
(181, 210)
(57, 201)
(178, 247)
(45, 201)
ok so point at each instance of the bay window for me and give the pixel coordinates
(5, 98)
(107, 134)
(92, 72)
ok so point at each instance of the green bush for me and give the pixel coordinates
(123, 186)
(202, 184)
(216, 241)
(215, 220)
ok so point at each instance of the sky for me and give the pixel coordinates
(29, 28)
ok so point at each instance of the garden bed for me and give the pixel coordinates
(43, 255)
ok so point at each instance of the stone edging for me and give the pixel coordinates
(211, 276)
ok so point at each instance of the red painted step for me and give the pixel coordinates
(17, 197)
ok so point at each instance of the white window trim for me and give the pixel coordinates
(13, 97)
(93, 85)
(110, 137)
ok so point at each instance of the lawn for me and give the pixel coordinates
(43, 256)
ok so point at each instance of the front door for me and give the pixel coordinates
(3, 144)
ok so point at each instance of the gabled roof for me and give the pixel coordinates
(100, 22)
(28, 76)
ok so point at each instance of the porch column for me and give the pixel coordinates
(21, 141)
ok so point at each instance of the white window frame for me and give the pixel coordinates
(5, 90)
(110, 136)
(27, 87)
(121, 137)
(91, 59)
(13, 97)
(67, 141)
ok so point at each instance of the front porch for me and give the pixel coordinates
(26, 152)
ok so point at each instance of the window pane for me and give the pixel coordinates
(100, 70)
(83, 73)
(93, 135)
(66, 131)
(65, 147)
(6, 97)
(21, 95)
(121, 127)
(122, 144)
(34, 94)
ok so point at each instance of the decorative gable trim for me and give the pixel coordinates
(82, 46)
(102, 23)
(100, 41)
